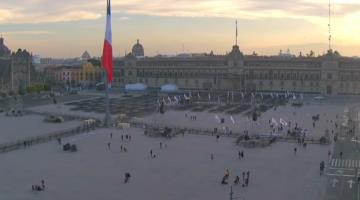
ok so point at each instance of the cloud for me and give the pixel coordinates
(46, 11)
(39, 11)
(10, 17)
(237, 8)
(33, 32)
(313, 13)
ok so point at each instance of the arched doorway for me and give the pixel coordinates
(250, 87)
(329, 90)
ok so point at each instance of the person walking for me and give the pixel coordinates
(246, 181)
(227, 173)
(43, 184)
(322, 167)
(237, 180)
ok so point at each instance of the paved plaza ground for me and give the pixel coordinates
(181, 171)
(328, 109)
(15, 128)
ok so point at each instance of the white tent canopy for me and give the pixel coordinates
(169, 88)
(135, 87)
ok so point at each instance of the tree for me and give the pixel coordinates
(311, 54)
(47, 87)
(31, 89)
(337, 54)
(300, 54)
(3, 94)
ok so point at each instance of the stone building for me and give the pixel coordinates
(87, 74)
(330, 74)
(85, 56)
(22, 70)
(16, 69)
(5, 65)
(138, 50)
(4, 50)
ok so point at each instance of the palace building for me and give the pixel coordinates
(330, 74)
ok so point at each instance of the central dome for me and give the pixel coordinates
(138, 50)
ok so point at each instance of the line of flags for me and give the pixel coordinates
(217, 118)
(281, 121)
(177, 99)
(232, 119)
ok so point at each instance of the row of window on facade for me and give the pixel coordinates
(282, 76)
(183, 64)
(251, 75)
(82, 76)
(276, 64)
(142, 73)
(256, 75)
(347, 84)
(166, 81)
(294, 83)
(349, 76)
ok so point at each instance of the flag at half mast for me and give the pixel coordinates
(107, 57)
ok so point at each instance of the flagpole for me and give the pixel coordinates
(107, 64)
(107, 120)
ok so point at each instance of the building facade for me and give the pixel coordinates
(16, 69)
(138, 50)
(329, 74)
(88, 74)
(22, 70)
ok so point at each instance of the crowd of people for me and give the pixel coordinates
(245, 179)
(40, 187)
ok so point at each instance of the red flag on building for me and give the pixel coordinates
(107, 57)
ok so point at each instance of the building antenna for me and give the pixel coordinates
(329, 25)
(236, 37)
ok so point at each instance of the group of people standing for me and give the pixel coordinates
(39, 187)
(192, 117)
(126, 138)
(152, 154)
(245, 178)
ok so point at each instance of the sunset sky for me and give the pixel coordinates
(66, 28)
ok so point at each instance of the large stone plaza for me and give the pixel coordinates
(187, 166)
